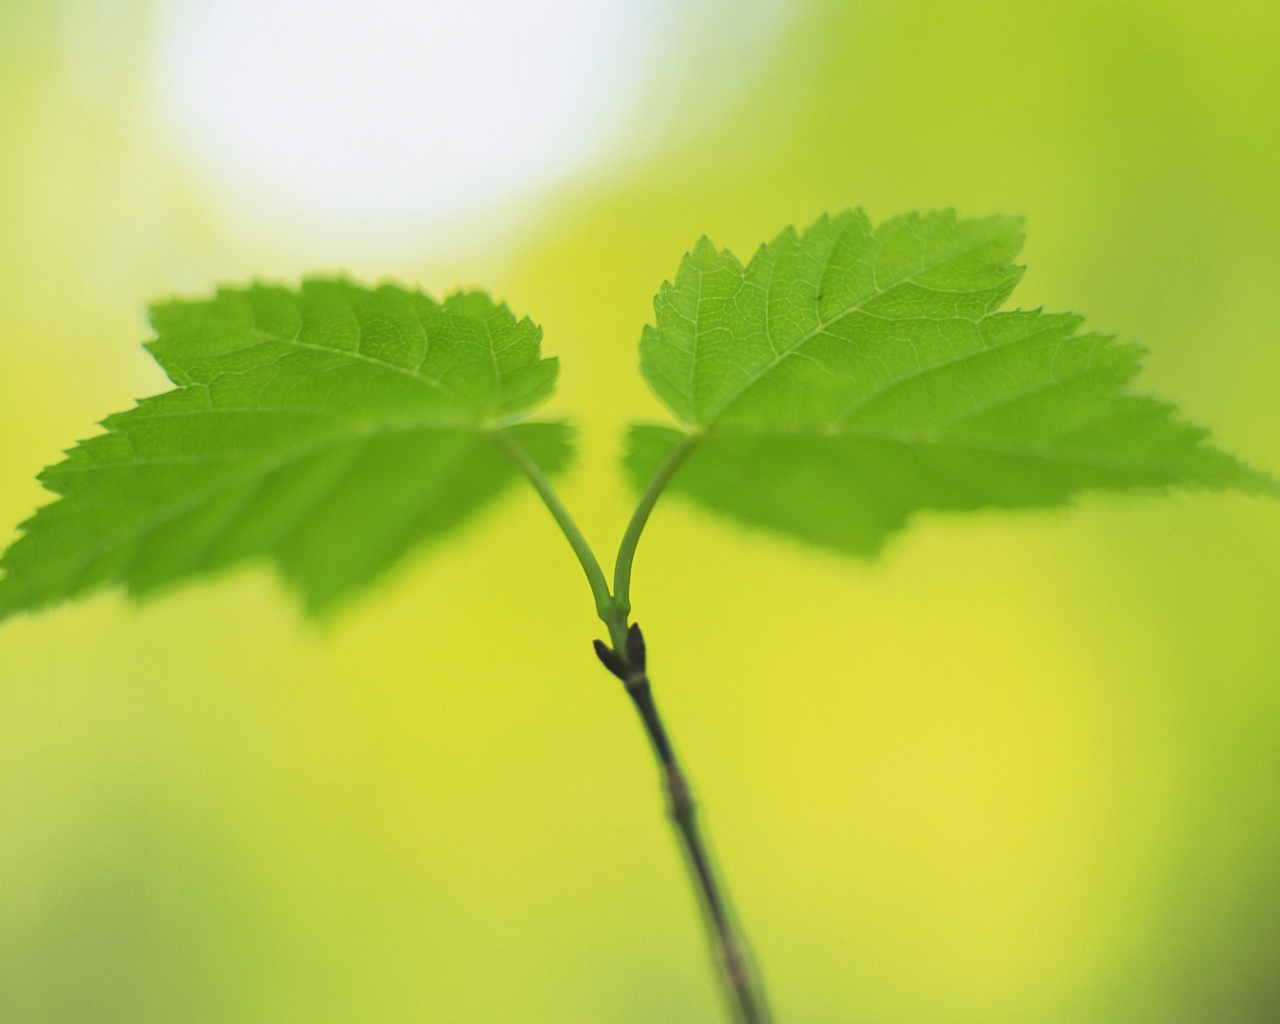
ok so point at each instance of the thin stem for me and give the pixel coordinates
(586, 557)
(742, 986)
(626, 660)
(627, 549)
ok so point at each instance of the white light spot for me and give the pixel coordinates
(381, 110)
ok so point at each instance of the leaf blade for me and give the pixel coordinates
(883, 379)
(329, 430)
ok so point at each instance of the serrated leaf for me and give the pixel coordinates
(848, 376)
(329, 429)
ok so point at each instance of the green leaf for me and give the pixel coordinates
(330, 429)
(848, 376)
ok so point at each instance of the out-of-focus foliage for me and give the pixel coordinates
(846, 377)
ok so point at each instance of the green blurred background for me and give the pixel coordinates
(1024, 768)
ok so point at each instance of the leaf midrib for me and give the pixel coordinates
(1041, 451)
(865, 401)
(260, 470)
(367, 430)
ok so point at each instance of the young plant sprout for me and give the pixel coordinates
(842, 379)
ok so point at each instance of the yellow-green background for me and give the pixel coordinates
(1026, 768)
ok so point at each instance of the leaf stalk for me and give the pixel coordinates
(586, 557)
(631, 538)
